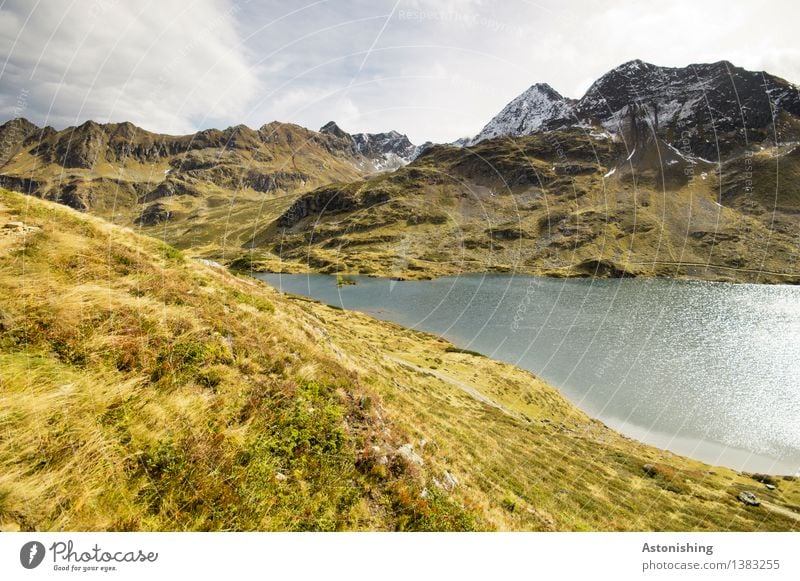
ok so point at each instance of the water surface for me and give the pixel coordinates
(708, 370)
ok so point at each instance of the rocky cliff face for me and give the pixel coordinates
(532, 111)
(384, 151)
(708, 111)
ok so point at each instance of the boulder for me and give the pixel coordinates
(407, 452)
(749, 498)
(449, 482)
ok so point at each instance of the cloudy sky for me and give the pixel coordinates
(434, 69)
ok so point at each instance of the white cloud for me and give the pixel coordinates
(164, 65)
(438, 69)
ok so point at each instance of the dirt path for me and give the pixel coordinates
(466, 388)
(781, 510)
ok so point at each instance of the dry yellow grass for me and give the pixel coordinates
(140, 390)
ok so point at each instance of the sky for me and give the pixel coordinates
(434, 69)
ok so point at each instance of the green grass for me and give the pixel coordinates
(464, 351)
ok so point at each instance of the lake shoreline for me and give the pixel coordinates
(795, 279)
(700, 448)
(601, 268)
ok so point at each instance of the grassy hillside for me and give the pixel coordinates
(141, 390)
(563, 203)
(573, 202)
(207, 190)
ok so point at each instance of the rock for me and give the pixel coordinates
(14, 226)
(424, 494)
(381, 458)
(280, 476)
(407, 452)
(650, 470)
(602, 269)
(154, 214)
(331, 200)
(449, 482)
(770, 486)
(749, 498)
(211, 263)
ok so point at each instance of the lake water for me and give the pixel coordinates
(707, 370)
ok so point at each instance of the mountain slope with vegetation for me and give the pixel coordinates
(142, 390)
(655, 171)
(561, 203)
(206, 191)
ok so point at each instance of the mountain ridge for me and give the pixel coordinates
(655, 171)
(389, 150)
(683, 104)
(194, 185)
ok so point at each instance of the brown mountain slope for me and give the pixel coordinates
(203, 189)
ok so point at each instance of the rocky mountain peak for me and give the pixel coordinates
(712, 109)
(12, 134)
(387, 150)
(532, 111)
(19, 124)
(331, 128)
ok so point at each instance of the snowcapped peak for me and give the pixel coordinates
(632, 65)
(383, 151)
(675, 101)
(544, 89)
(539, 104)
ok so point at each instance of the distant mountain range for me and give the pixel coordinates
(654, 171)
(133, 176)
(709, 110)
(386, 151)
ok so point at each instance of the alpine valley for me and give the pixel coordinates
(149, 383)
(683, 172)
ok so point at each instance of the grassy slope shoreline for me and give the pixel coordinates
(140, 390)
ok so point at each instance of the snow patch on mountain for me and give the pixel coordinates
(706, 109)
(384, 151)
(526, 114)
